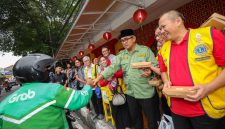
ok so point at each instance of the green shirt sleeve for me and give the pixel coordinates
(73, 99)
(151, 58)
(113, 68)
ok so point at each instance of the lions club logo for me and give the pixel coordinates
(201, 49)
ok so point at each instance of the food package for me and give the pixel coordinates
(155, 82)
(138, 65)
(216, 20)
(179, 91)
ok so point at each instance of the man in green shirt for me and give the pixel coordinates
(38, 104)
(140, 95)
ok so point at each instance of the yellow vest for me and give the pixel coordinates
(94, 71)
(203, 68)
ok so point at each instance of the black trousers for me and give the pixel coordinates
(149, 106)
(200, 122)
(165, 108)
(121, 116)
(97, 103)
(69, 120)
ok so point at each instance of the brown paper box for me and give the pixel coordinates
(178, 91)
(155, 82)
(140, 65)
(216, 20)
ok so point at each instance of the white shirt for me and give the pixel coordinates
(111, 57)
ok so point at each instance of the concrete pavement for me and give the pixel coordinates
(93, 123)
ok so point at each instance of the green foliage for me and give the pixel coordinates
(28, 26)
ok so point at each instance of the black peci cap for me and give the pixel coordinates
(126, 32)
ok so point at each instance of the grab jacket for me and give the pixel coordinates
(41, 106)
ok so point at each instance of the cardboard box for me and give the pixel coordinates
(178, 91)
(156, 82)
(216, 20)
(140, 65)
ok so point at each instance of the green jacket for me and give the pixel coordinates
(41, 106)
(136, 85)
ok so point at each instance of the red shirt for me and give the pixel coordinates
(180, 74)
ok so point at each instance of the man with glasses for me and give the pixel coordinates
(140, 95)
(106, 53)
(90, 73)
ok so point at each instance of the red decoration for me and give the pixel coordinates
(91, 46)
(107, 35)
(140, 15)
(81, 53)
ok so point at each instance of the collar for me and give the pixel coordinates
(136, 49)
(185, 38)
(92, 65)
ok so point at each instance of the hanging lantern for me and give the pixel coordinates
(81, 53)
(91, 46)
(140, 15)
(107, 35)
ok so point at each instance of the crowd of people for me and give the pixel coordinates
(178, 63)
(193, 58)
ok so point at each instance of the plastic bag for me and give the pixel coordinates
(118, 99)
(166, 122)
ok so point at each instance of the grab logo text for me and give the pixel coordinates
(22, 97)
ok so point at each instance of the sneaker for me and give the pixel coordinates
(100, 117)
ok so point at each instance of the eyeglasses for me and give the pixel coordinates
(86, 60)
(158, 35)
(162, 27)
(125, 39)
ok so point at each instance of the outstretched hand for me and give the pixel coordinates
(91, 83)
(97, 79)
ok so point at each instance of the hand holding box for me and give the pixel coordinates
(179, 91)
(139, 65)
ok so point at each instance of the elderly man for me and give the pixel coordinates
(194, 58)
(90, 73)
(140, 95)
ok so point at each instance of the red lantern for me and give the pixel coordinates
(81, 53)
(107, 35)
(140, 15)
(91, 46)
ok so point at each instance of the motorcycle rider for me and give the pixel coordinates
(39, 104)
